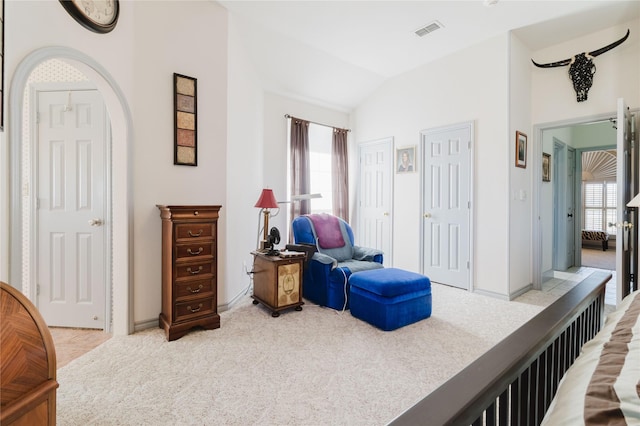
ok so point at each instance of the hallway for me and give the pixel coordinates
(575, 274)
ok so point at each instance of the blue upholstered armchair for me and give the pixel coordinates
(327, 273)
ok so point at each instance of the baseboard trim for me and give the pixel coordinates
(144, 325)
(491, 294)
(155, 322)
(508, 298)
(521, 292)
(234, 301)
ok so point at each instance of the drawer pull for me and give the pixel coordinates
(194, 253)
(194, 310)
(197, 290)
(191, 234)
(194, 272)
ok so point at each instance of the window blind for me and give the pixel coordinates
(600, 201)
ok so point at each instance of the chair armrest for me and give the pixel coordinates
(307, 249)
(325, 259)
(365, 253)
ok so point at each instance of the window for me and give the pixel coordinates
(318, 160)
(600, 202)
(320, 167)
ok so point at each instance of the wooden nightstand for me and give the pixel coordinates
(277, 281)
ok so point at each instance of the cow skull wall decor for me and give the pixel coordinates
(582, 68)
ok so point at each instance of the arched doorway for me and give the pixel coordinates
(122, 135)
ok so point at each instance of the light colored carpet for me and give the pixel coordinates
(597, 258)
(313, 367)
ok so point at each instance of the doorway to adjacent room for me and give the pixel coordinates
(23, 207)
(605, 211)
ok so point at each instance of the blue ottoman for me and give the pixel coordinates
(389, 298)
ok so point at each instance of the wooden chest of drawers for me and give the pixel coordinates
(189, 269)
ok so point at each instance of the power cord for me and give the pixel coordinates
(346, 280)
(250, 273)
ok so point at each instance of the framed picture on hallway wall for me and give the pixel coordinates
(406, 159)
(546, 167)
(521, 150)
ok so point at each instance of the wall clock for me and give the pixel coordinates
(99, 16)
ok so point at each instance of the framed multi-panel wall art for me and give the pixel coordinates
(186, 120)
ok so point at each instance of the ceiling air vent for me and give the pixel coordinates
(435, 25)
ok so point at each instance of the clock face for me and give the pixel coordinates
(99, 16)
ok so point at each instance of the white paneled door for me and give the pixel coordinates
(71, 208)
(446, 204)
(571, 207)
(374, 213)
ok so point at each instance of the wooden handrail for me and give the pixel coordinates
(463, 399)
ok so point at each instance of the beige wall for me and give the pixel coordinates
(245, 152)
(443, 93)
(196, 46)
(242, 133)
(554, 103)
(520, 193)
(504, 95)
(140, 55)
(275, 167)
(617, 76)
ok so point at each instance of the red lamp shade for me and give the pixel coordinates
(267, 200)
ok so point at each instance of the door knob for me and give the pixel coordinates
(570, 215)
(385, 214)
(427, 215)
(625, 225)
(95, 222)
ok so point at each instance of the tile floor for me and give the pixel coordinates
(563, 281)
(71, 343)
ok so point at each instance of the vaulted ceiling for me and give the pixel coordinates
(337, 52)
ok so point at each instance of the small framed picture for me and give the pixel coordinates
(406, 159)
(521, 150)
(546, 167)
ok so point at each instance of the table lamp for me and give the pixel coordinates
(266, 201)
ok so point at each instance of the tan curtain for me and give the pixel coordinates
(340, 174)
(300, 179)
